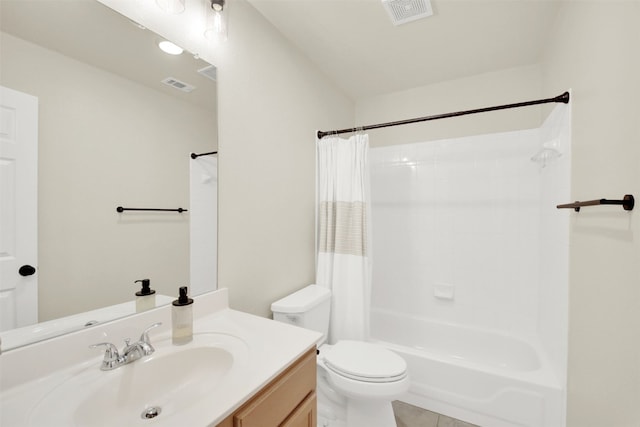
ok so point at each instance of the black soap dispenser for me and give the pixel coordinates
(182, 318)
(145, 297)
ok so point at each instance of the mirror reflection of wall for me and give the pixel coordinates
(108, 137)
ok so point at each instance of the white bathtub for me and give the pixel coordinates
(479, 376)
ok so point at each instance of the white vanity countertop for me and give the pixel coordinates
(30, 373)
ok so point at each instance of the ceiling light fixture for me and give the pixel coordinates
(216, 20)
(171, 6)
(170, 48)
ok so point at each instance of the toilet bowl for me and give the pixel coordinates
(361, 370)
(356, 380)
(368, 376)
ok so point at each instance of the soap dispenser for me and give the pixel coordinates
(182, 318)
(145, 297)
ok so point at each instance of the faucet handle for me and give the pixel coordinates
(111, 356)
(111, 350)
(145, 342)
(145, 334)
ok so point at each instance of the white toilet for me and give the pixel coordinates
(356, 380)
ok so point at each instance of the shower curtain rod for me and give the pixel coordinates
(564, 98)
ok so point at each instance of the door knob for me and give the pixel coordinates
(26, 270)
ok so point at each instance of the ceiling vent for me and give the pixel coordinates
(403, 11)
(209, 71)
(173, 82)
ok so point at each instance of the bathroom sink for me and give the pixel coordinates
(157, 387)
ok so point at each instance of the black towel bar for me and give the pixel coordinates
(627, 203)
(195, 156)
(121, 209)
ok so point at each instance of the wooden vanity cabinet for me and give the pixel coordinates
(287, 401)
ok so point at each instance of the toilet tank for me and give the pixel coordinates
(308, 308)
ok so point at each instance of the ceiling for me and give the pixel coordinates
(357, 46)
(92, 33)
(353, 42)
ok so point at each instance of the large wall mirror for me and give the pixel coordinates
(110, 133)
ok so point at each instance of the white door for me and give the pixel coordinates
(18, 209)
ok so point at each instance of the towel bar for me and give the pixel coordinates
(121, 209)
(627, 203)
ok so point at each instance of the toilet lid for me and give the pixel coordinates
(365, 361)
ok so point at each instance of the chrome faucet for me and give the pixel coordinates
(130, 352)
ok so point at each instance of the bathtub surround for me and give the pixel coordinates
(470, 274)
(344, 264)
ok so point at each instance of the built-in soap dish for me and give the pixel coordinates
(444, 291)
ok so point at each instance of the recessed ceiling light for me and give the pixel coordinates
(170, 48)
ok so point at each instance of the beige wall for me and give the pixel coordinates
(105, 141)
(594, 49)
(271, 101)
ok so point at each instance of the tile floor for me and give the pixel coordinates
(413, 416)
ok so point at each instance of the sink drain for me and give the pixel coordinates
(151, 412)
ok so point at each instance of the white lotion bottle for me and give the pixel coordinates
(182, 318)
(145, 297)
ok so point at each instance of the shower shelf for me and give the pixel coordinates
(627, 203)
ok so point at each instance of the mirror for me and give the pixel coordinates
(110, 134)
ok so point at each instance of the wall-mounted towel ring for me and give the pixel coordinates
(627, 203)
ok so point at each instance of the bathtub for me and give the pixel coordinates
(479, 376)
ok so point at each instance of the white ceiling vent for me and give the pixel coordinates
(173, 82)
(209, 71)
(403, 11)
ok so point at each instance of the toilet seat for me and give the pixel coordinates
(362, 361)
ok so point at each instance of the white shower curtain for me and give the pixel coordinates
(343, 212)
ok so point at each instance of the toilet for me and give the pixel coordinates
(357, 381)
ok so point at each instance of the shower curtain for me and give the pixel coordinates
(343, 212)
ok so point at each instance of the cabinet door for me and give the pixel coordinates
(304, 415)
(275, 403)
